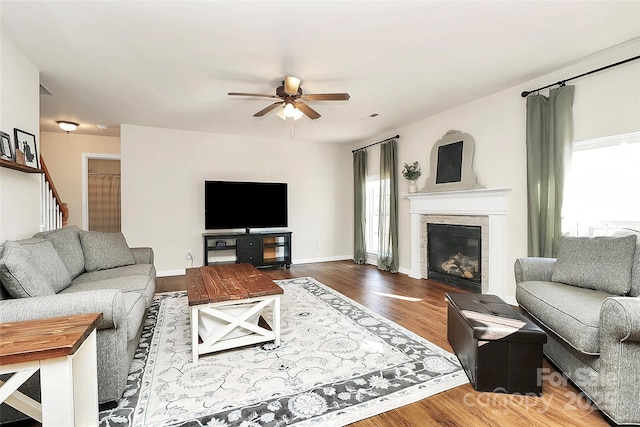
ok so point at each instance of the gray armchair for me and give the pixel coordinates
(588, 302)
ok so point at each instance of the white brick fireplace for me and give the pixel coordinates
(484, 207)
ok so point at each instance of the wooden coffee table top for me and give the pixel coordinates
(217, 283)
(44, 338)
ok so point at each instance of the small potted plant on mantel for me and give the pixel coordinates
(412, 172)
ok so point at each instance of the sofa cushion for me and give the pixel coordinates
(635, 271)
(30, 268)
(570, 312)
(67, 244)
(141, 284)
(105, 250)
(112, 273)
(600, 263)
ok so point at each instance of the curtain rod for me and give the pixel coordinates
(375, 143)
(562, 82)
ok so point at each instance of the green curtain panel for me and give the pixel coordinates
(549, 139)
(359, 206)
(388, 215)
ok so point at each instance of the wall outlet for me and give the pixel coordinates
(188, 255)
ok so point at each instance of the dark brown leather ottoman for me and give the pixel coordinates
(500, 349)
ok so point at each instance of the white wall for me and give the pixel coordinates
(163, 174)
(606, 103)
(63, 154)
(20, 108)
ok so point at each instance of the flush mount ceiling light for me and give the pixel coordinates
(67, 126)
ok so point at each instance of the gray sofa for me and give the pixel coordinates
(588, 302)
(70, 271)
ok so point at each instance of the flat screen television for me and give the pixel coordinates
(239, 204)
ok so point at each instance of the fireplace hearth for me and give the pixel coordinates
(454, 255)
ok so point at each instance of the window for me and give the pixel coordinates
(601, 190)
(373, 202)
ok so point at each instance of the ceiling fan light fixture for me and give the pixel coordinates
(291, 85)
(289, 110)
(67, 126)
(290, 98)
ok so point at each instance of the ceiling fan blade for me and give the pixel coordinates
(266, 110)
(326, 97)
(252, 94)
(291, 85)
(308, 111)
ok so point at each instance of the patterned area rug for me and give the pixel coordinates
(338, 363)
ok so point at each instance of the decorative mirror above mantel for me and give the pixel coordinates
(452, 164)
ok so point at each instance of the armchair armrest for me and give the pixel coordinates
(534, 268)
(620, 319)
(107, 301)
(619, 371)
(143, 255)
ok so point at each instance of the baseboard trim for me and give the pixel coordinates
(324, 259)
(166, 273)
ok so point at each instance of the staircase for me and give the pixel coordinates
(54, 213)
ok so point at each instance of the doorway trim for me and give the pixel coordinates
(85, 182)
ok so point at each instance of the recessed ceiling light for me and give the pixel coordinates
(102, 127)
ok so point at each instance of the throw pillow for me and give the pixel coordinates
(3, 291)
(599, 263)
(105, 250)
(635, 271)
(66, 241)
(32, 268)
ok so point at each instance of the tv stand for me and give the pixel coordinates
(261, 249)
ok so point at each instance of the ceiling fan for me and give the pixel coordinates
(290, 99)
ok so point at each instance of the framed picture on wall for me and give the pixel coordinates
(6, 150)
(26, 144)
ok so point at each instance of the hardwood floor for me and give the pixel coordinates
(560, 405)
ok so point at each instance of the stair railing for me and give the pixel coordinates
(54, 213)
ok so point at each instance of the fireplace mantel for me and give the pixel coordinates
(489, 202)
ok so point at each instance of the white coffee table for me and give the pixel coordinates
(226, 303)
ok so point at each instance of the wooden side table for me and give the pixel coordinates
(226, 302)
(64, 350)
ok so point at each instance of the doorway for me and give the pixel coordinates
(101, 198)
